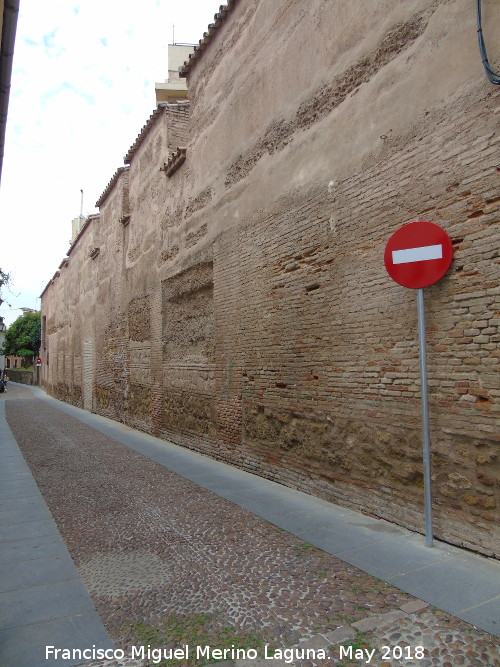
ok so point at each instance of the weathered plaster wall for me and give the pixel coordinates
(68, 305)
(245, 311)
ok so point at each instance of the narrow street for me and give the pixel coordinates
(169, 563)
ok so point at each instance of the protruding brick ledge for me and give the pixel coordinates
(174, 161)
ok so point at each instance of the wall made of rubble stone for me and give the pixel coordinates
(244, 309)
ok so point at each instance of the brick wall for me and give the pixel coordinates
(178, 126)
(240, 306)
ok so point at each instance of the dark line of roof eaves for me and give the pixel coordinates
(219, 18)
(110, 185)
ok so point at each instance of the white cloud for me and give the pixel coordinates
(82, 88)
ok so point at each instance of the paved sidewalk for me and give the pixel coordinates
(463, 584)
(41, 592)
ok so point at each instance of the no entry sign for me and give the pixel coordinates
(418, 254)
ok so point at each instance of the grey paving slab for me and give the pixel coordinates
(14, 488)
(9, 448)
(452, 584)
(11, 459)
(9, 444)
(36, 547)
(261, 507)
(13, 476)
(222, 482)
(24, 513)
(298, 522)
(25, 646)
(394, 556)
(195, 471)
(48, 570)
(12, 462)
(11, 467)
(42, 597)
(9, 454)
(174, 459)
(339, 538)
(13, 481)
(375, 525)
(332, 520)
(27, 530)
(44, 603)
(485, 615)
(302, 502)
(327, 515)
(253, 497)
(273, 501)
(18, 486)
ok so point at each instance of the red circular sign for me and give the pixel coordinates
(418, 254)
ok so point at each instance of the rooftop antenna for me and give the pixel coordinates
(173, 33)
(81, 204)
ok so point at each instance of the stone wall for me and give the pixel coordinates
(240, 305)
(23, 377)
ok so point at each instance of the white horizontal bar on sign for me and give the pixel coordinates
(417, 254)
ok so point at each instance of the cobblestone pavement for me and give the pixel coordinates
(168, 563)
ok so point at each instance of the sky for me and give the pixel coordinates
(83, 85)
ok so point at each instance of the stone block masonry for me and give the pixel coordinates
(240, 306)
(18, 375)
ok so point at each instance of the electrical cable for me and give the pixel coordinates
(490, 73)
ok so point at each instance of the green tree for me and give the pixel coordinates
(4, 281)
(22, 338)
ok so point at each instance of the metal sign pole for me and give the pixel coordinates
(418, 255)
(426, 445)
